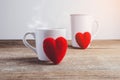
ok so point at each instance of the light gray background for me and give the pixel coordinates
(20, 16)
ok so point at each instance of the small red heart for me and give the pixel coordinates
(55, 50)
(83, 40)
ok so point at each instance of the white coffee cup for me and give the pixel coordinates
(82, 23)
(40, 34)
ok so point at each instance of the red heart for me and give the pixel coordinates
(55, 50)
(83, 40)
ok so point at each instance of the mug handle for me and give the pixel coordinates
(26, 43)
(96, 30)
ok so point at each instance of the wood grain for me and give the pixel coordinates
(101, 61)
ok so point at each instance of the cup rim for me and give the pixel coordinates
(79, 15)
(50, 29)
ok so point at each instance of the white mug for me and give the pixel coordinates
(40, 34)
(82, 23)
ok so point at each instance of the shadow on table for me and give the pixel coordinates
(91, 47)
(29, 61)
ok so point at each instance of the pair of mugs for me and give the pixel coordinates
(47, 39)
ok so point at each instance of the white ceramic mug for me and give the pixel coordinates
(82, 23)
(40, 35)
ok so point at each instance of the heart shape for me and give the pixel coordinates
(55, 50)
(83, 39)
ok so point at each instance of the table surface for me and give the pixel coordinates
(101, 61)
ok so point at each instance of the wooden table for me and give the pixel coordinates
(100, 62)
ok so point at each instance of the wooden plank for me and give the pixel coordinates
(14, 43)
(101, 61)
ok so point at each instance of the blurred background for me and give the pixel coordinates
(20, 16)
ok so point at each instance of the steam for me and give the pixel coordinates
(37, 20)
(37, 23)
(46, 14)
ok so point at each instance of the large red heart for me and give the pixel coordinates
(83, 39)
(55, 50)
